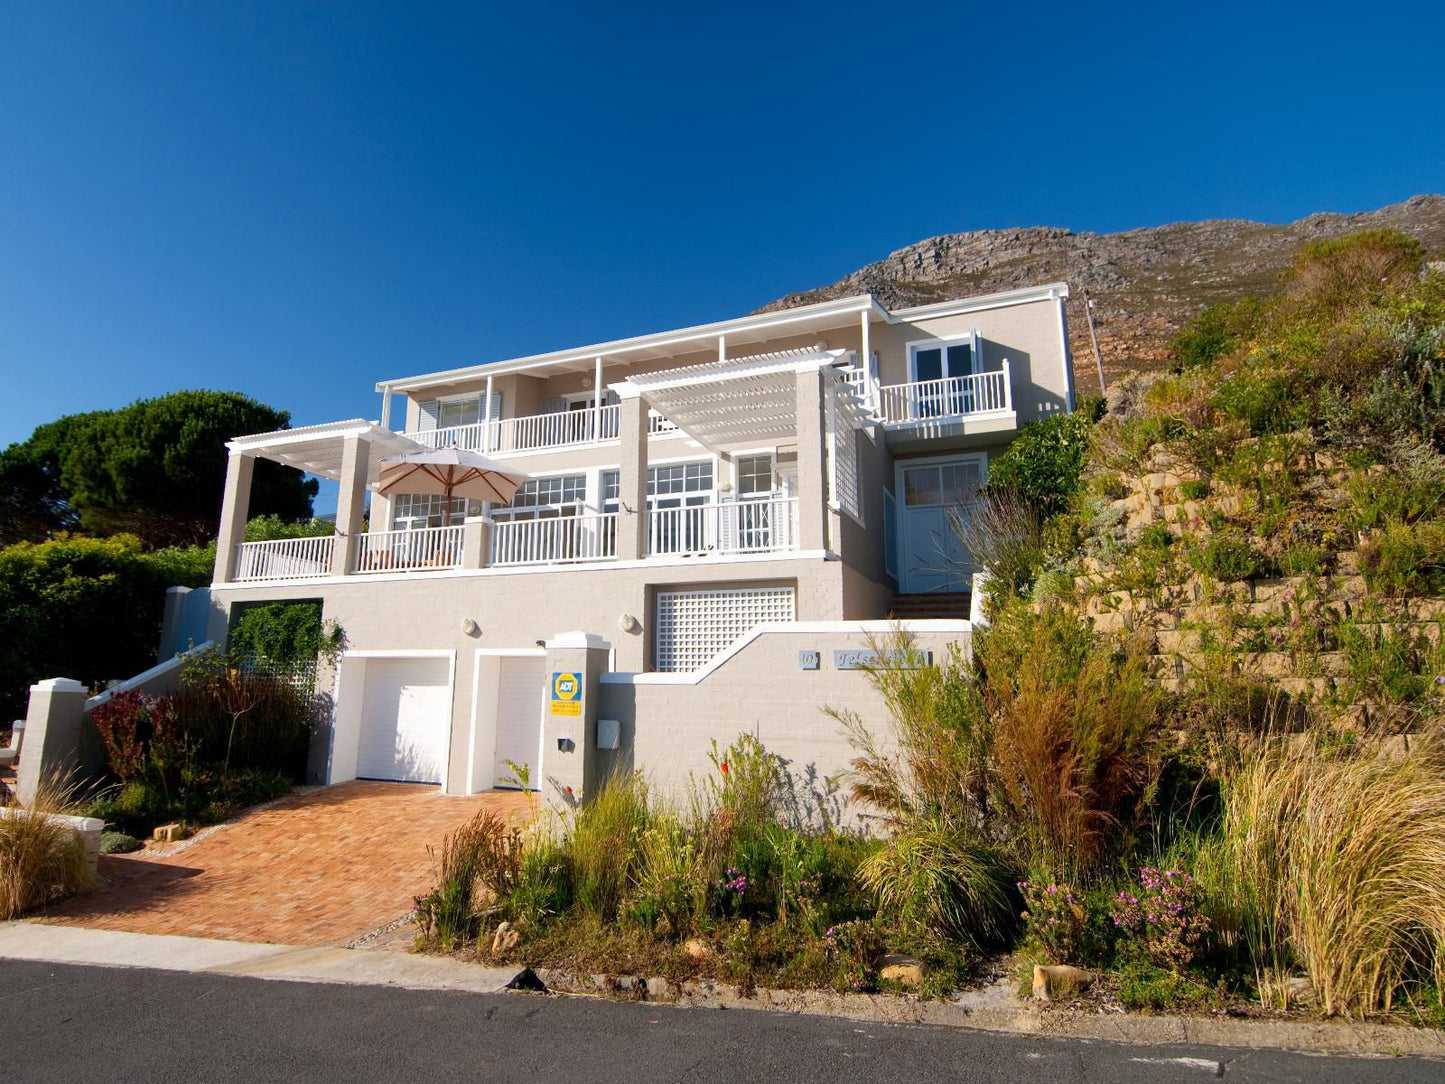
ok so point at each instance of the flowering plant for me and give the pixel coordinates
(1055, 919)
(1164, 917)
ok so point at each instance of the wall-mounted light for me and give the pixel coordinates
(628, 623)
(470, 627)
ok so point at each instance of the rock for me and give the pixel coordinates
(694, 948)
(505, 939)
(904, 970)
(170, 833)
(1060, 980)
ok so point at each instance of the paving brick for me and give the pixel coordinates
(322, 868)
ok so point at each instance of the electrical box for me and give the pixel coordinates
(609, 733)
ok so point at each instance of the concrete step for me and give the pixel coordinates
(921, 606)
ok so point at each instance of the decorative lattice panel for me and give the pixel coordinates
(693, 626)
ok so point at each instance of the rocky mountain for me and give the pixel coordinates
(1145, 283)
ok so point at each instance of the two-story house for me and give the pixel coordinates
(786, 470)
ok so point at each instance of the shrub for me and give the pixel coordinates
(942, 884)
(1405, 559)
(1045, 463)
(605, 844)
(1072, 722)
(41, 860)
(1214, 333)
(1192, 489)
(478, 863)
(1055, 918)
(119, 843)
(1163, 916)
(285, 633)
(1227, 556)
(1003, 534)
(1338, 863)
(1356, 268)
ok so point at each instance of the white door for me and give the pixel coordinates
(520, 685)
(933, 490)
(406, 720)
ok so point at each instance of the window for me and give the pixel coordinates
(545, 498)
(755, 475)
(668, 486)
(413, 510)
(941, 366)
(460, 410)
(945, 484)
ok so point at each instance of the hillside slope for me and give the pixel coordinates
(1146, 283)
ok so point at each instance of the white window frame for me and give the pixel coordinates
(972, 339)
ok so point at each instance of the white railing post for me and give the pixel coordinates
(1008, 389)
(487, 418)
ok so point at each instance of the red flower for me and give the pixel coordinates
(723, 767)
(569, 790)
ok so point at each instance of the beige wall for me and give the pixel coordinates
(760, 691)
(425, 611)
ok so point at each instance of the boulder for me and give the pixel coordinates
(694, 948)
(505, 939)
(1060, 980)
(904, 970)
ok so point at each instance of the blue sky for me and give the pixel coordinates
(294, 200)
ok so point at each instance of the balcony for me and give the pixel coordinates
(954, 397)
(696, 531)
(533, 433)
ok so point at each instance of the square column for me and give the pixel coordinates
(632, 480)
(812, 462)
(350, 503)
(570, 758)
(235, 506)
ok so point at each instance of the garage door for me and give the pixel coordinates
(406, 720)
(519, 718)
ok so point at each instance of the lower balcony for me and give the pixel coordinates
(736, 528)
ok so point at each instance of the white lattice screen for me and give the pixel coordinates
(844, 466)
(693, 626)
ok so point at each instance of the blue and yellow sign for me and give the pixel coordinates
(566, 693)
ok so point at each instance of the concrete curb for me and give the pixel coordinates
(199, 955)
(987, 1011)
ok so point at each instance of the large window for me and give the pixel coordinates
(461, 410)
(670, 485)
(412, 510)
(544, 498)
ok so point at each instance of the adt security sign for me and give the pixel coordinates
(566, 693)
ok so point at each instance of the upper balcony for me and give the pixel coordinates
(505, 437)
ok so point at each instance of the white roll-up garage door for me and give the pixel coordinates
(520, 684)
(406, 720)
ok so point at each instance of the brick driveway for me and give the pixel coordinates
(324, 868)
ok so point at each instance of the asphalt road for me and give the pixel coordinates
(75, 1024)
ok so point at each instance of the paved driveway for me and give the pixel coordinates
(324, 868)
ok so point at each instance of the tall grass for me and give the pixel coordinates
(606, 843)
(41, 860)
(477, 864)
(942, 884)
(1338, 864)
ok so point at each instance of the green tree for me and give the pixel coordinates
(155, 469)
(85, 608)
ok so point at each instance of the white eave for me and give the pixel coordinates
(318, 449)
(739, 332)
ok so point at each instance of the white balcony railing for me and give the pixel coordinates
(951, 397)
(556, 540)
(536, 432)
(416, 550)
(285, 558)
(761, 526)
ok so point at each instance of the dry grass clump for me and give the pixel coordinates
(41, 860)
(1338, 864)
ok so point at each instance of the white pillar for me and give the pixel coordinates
(350, 503)
(632, 480)
(812, 474)
(722, 348)
(235, 505)
(487, 418)
(386, 407)
(597, 401)
(867, 357)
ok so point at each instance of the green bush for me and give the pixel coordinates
(119, 843)
(1214, 333)
(1406, 559)
(1193, 489)
(1227, 556)
(1045, 463)
(285, 633)
(84, 608)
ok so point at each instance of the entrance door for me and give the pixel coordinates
(934, 558)
(520, 684)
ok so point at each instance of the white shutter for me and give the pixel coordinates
(975, 353)
(520, 685)
(429, 409)
(495, 413)
(406, 715)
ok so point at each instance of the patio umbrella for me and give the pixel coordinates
(449, 472)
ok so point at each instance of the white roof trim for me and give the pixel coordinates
(800, 359)
(1023, 296)
(761, 321)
